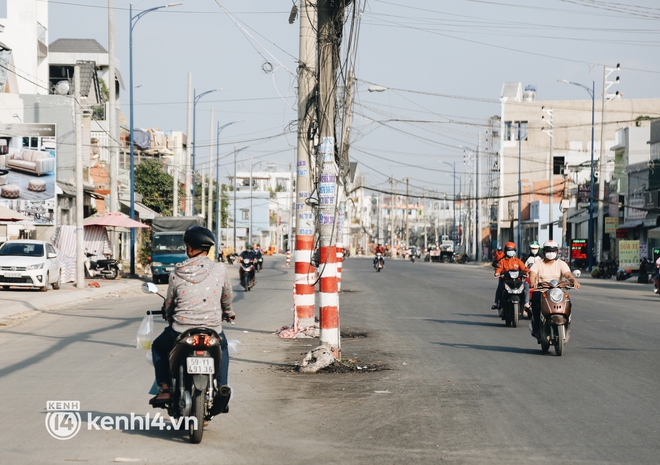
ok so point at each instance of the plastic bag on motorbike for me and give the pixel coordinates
(145, 334)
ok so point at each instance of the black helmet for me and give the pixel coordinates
(198, 237)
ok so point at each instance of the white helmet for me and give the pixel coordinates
(550, 249)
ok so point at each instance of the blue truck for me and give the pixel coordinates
(167, 247)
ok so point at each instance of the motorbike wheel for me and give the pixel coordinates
(514, 316)
(378, 269)
(114, 272)
(246, 282)
(545, 347)
(198, 413)
(561, 334)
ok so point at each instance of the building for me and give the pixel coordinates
(545, 144)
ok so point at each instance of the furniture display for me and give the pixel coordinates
(37, 185)
(32, 161)
(9, 191)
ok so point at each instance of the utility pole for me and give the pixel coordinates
(328, 290)
(564, 222)
(550, 165)
(407, 213)
(303, 297)
(519, 188)
(209, 220)
(478, 218)
(424, 218)
(392, 218)
(77, 106)
(113, 145)
(602, 161)
(188, 191)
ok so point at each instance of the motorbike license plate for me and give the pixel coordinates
(169, 268)
(9, 274)
(200, 365)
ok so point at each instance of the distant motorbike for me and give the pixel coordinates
(555, 316)
(512, 297)
(246, 272)
(194, 362)
(260, 264)
(108, 268)
(623, 274)
(413, 258)
(379, 262)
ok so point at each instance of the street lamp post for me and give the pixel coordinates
(218, 210)
(196, 99)
(133, 21)
(592, 93)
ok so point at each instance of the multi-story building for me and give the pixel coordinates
(542, 144)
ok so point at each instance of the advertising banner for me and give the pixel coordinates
(629, 254)
(611, 223)
(27, 170)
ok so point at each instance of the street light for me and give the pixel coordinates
(453, 228)
(196, 99)
(218, 219)
(592, 93)
(132, 23)
(477, 202)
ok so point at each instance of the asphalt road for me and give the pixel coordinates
(450, 383)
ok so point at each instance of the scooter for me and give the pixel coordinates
(555, 316)
(108, 269)
(194, 362)
(260, 264)
(379, 262)
(413, 258)
(246, 273)
(512, 297)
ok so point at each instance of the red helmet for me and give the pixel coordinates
(509, 246)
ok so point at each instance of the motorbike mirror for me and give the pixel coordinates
(149, 288)
(577, 273)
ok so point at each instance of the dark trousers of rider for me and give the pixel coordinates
(536, 310)
(160, 351)
(500, 289)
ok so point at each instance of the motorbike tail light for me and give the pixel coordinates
(202, 340)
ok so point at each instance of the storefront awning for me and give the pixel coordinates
(651, 220)
(630, 224)
(581, 217)
(654, 233)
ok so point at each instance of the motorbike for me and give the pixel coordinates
(555, 316)
(379, 263)
(512, 297)
(108, 268)
(623, 274)
(246, 273)
(260, 264)
(194, 362)
(413, 258)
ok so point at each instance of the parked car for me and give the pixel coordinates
(29, 263)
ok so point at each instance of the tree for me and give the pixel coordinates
(156, 186)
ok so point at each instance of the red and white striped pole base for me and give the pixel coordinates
(288, 258)
(329, 301)
(340, 259)
(303, 295)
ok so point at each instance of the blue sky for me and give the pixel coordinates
(443, 62)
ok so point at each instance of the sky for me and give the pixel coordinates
(443, 63)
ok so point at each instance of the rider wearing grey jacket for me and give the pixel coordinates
(199, 294)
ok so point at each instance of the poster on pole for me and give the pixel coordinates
(629, 254)
(611, 223)
(27, 170)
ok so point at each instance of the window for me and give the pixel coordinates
(245, 214)
(558, 165)
(511, 130)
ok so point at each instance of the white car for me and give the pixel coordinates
(28, 263)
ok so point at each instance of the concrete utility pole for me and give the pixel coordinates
(407, 213)
(303, 298)
(602, 161)
(209, 218)
(77, 106)
(113, 146)
(550, 166)
(328, 291)
(188, 191)
(478, 218)
(392, 240)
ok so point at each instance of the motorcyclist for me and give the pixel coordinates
(379, 250)
(508, 263)
(545, 271)
(199, 295)
(257, 252)
(533, 254)
(251, 254)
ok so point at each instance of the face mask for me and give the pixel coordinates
(535, 252)
(510, 253)
(551, 255)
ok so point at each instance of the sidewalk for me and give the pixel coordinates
(17, 303)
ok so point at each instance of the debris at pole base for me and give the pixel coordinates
(317, 359)
(290, 332)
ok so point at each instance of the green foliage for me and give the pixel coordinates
(156, 186)
(144, 250)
